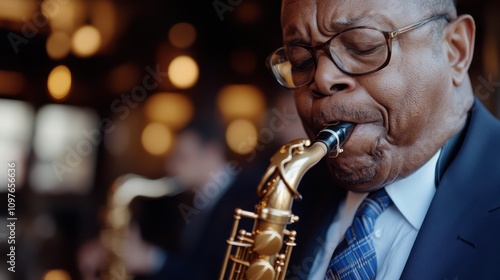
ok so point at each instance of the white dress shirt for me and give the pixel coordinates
(395, 229)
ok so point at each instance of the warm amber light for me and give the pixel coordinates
(57, 274)
(123, 78)
(182, 35)
(248, 12)
(11, 82)
(241, 136)
(86, 41)
(173, 109)
(183, 72)
(64, 15)
(58, 45)
(241, 101)
(490, 57)
(20, 11)
(156, 139)
(105, 19)
(59, 82)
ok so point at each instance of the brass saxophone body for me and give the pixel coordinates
(259, 253)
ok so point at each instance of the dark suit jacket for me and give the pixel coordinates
(459, 238)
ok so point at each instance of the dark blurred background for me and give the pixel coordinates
(91, 90)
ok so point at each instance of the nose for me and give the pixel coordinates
(328, 78)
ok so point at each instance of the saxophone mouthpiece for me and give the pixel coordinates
(334, 136)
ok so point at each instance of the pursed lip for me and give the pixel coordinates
(358, 114)
(319, 124)
(318, 128)
(358, 130)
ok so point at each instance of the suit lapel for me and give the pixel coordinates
(453, 242)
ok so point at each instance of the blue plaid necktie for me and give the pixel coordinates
(354, 257)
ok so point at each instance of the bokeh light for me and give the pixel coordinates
(65, 147)
(123, 78)
(11, 82)
(157, 139)
(241, 136)
(173, 109)
(16, 127)
(17, 10)
(183, 72)
(241, 101)
(59, 82)
(86, 41)
(64, 15)
(58, 45)
(104, 17)
(182, 35)
(57, 274)
(248, 12)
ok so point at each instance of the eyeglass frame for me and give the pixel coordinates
(389, 36)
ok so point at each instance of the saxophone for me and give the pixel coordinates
(259, 254)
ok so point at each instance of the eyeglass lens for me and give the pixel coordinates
(354, 51)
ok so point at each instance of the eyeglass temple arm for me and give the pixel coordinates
(415, 25)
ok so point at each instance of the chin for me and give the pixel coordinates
(359, 179)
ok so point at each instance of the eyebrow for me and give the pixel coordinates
(349, 22)
(298, 37)
(378, 21)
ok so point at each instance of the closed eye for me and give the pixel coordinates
(363, 50)
(302, 65)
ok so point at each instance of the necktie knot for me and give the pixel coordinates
(354, 257)
(373, 205)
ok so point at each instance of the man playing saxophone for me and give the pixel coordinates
(421, 169)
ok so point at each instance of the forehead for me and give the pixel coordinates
(304, 18)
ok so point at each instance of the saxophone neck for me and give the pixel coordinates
(300, 163)
(278, 187)
(295, 158)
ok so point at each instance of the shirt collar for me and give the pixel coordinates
(413, 195)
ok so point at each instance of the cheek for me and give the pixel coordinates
(410, 99)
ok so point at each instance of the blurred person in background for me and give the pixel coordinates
(183, 236)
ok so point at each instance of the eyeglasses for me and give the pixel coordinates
(355, 51)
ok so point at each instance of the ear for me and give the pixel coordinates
(459, 38)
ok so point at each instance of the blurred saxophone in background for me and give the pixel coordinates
(117, 218)
(259, 253)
